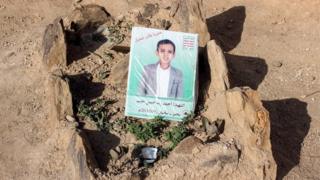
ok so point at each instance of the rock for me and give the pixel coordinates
(189, 18)
(88, 18)
(70, 118)
(277, 64)
(187, 145)
(114, 154)
(119, 73)
(150, 10)
(247, 121)
(60, 96)
(68, 151)
(116, 9)
(54, 46)
(210, 161)
(143, 20)
(211, 129)
(70, 157)
(218, 67)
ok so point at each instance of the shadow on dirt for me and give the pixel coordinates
(246, 71)
(226, 28)
(101, 144)
(80, 44)
(82, 87)
(290, 124)
(83, 32)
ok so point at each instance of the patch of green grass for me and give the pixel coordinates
(97, 112)
(176, 134)
(148, 130)
(122, 124)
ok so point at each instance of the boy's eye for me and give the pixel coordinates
(170, 51)
(162, 50)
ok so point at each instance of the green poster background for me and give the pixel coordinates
(143, 53)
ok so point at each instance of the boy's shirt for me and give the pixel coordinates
(163, 76)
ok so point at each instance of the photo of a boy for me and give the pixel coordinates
(161, 79)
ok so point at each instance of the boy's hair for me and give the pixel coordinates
(166, 41)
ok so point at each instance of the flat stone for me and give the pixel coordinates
(218, 67)
(54, 47)
(119, 73)
(187, 145)
(114, 154)
(277, 64)
(189, 18)
(70, 118)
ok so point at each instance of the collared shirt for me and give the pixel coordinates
(163, 76)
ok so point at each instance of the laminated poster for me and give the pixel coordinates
(162, 74)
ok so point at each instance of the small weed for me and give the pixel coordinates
(122, 124)
(176, 134)
(103, 74)
(96, 111)
(148, 130)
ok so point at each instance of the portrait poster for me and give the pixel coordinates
(162, 74)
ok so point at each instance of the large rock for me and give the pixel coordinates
(190, 18)
(246, 120)
(68, 156)
(116, 9)
(218, 68)
(119, 73)
(68, 153)
(54, 46)
(60, 96)
(83, 18)
(210, 161)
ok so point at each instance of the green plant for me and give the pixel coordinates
(103, 74)
(176, 134)
(122, 124)
(148, 130)
(96, 111)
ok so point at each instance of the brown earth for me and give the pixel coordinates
(271, 46)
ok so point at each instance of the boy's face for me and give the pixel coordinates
(165, 53)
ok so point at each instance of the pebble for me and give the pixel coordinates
(118, 149)
(277, 64)
(114, 154)
(70, 118)
(100, 61)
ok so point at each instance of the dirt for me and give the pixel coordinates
(270, 46)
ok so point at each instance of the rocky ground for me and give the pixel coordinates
(270, 46)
